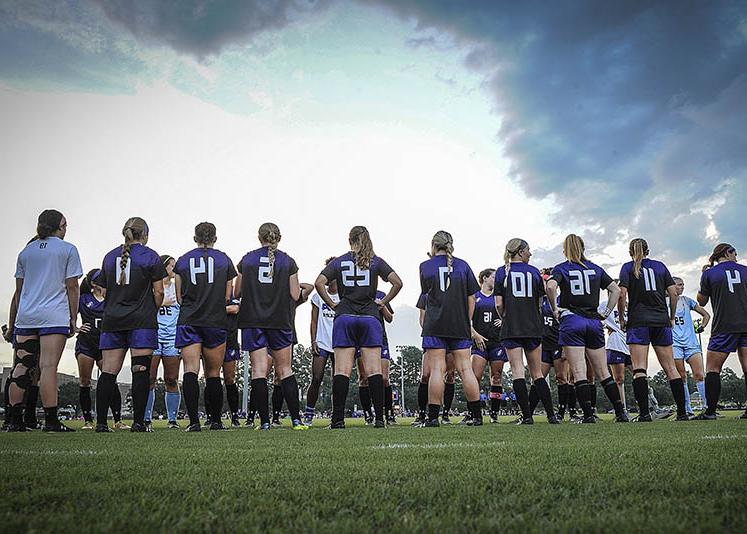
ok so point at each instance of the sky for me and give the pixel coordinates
(491, 120)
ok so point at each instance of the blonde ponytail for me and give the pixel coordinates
(361, 246)
(270, 233)
(513, 247)
(573, 249)
(442, 240)
(638, 251)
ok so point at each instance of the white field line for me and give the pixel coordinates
(458, 444)
(50, 452)
(723, 436)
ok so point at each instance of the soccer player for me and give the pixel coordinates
(486, 322)
(618, 353)
(267, 278)
(232, 356)
(132, 275)
(44, 314)
(322, 319)
(357, 322)
(204, 283)
(450, 287)
(518, 292)
(581, 333)
(724, 283)
(166, 353)
(387, 315)
(685, 344)
(645, 283)
(87, 352)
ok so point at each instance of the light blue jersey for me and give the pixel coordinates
(683, 332)
(167, 318)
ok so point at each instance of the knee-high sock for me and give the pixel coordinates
(84, 397)
(422, 399)
(289, 386)
(583, 394)
(712, 391)
(32, 398)
(701, 390)
(214, 391)
(543, 391)
(678, 392)
(475, 410)
(232, 396)
(116, 403)
(688, 406)
(191, 389)
(533, 398)
(206, 401)
(495, 399)
(376, 388)
(572, 398)
(312, 394)
(640, 389)
(562, 398)
(388, 401)
(148, 416)
(107, 383)
(593, 396)
(613, 394)
(260, 392)
(252, 408)
(277, 401)
(173, 400)
(140, 387)
(522, 396)
(365, 396)
(448, 397)
(340, 385)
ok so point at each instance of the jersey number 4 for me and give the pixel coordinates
(733, 278)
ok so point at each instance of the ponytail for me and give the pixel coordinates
(442, 240)
(361, 246)
(513, 247)
(573, 249)
(86, 286)
(270, 233)
(48, 223)
(638, 251)
(719, 251)
(134, 230)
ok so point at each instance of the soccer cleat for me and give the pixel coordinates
(217, 426)
(57, 427)
(308, 420)
(369, 420)
(445, 419)
(661, 414)
(336, 425)
(622, 418)
(525, 421)
(588, 420)
(264, 427)
(379, 423)
(644, 418)
(194, 428)
(235, 423)
(419, 420)
(682, 417)
(103, 429)
(149, 426)
(32, 424)
(430, 423)
(140, 427)
(249, 422)
(552, 420)
(276, 423)
(207, 422)
(296, 424)
(466, 420)
(705, 416)
(121, 425)
(475, 422)
(173, 424)
(13, 427)
(88, 425)
(494, 419)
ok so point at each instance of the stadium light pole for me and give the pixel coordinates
(401, 379)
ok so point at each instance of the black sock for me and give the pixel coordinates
(365, 396)
(713, 391)
(562, 398)
(640, 390)
(215, 393)
(32, 397)
(260, 392)
(583, 394)
(50, 416)
(495, 399)
(433, 411)
(116, 403)
(522, 396)
(678, 392)
(277, 401)
(448, 397)
(593, 396)
(533, 398)
(475, 409)
(232, 395)
(207, 402)
(289, 388)
(422, 399)
(191, 392)
(543, 391)
(388, 401)
(104, 388)
(6, 401)
(376, 389)
(84, 397)
(613, 394)
(140, 387)
(252, 411)
(340, 386)
(571, 398)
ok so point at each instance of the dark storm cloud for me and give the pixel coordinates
(629, 114)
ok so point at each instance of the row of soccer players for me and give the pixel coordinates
(132, 274)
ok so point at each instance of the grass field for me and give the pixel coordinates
(663, 476)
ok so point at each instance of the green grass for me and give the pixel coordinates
(605, 477)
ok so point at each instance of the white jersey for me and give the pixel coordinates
(44, 265)
(616, 340)
(325, 321)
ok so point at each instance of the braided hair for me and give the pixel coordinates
(134, 230)
(442, 240)
(270, 233)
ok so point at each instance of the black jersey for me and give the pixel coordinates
(447, 305)
(379, 296)
(91, 312)
(580, 286)
(204, 274)
(131, 305)
(726, 285)
(551, 327)
(265, 296)
(485, 316)
(522, 291)
(232, 328)
(357, 287)
(647, 294)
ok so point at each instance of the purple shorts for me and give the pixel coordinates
(526, 343)
(549, 356)
(357, 331)
(87, 349)
(727, 343)
(324, 354)
(140, 338)
(578, 331)
(615, 357)
(493, 352)
(191, 335)
(656, 336)
(46, 331)
(265, 338)
(447, 343)
(232, 355)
